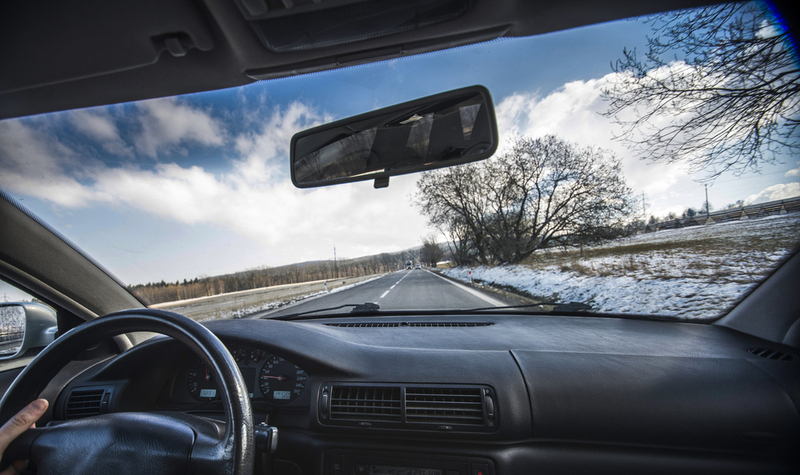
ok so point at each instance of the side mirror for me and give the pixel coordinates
(438, 131)
(25, 325)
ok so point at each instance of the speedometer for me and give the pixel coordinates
(201, 382)
(281, 381)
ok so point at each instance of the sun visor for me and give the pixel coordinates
(304, 25)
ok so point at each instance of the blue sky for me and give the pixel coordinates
(199, 185)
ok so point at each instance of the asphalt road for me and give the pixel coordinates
(404, 290)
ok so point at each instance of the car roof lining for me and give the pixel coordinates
(89, 54)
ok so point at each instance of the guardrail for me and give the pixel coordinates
(236, 304)
(755, 211)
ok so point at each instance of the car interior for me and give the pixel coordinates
(513, 394)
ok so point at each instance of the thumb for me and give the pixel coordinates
(21, 422)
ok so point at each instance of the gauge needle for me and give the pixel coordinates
(279, 378)
(207, 376)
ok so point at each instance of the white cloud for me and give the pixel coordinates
(793, 172)
(775, 192)
(35, 163)
(250, 200)
(98, 125)
(263, 152)
(166, 124)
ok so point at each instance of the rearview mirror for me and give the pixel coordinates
(438, 131)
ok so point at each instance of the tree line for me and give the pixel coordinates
(265, 276)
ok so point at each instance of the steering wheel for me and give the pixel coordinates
(133, 443)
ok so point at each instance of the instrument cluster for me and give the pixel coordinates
(269, 377)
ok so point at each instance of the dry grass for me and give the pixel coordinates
(712, 253)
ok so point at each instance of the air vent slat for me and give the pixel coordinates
(444, 418)
(464, 410)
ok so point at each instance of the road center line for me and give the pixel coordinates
(384, 295)
(474, 292)
(390, 288)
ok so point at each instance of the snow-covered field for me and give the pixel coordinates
(691, 273)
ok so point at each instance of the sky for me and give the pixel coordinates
(177, 188)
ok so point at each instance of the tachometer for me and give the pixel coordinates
(281, 381)
(201, 382)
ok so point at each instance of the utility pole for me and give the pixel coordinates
(335, 265)
(707, 210)
(644, 207)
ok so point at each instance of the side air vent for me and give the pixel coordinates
(411, 324)
(380, 404)
(451, 408)
(770, 354)
(445, 406)
(85, 402)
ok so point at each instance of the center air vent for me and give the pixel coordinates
(418, 407)
(410, 324)
(85, 402)
(365, 404)
(444, 406)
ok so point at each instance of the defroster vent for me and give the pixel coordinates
(770, 354)
(410, 324)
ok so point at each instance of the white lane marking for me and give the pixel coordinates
(395, 285)
(401, 279)
(474, 292)
(384, 295)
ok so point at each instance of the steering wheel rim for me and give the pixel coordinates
(232, 454)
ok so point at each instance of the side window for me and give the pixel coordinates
(26, 323)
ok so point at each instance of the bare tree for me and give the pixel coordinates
(504, 209)
(719, 89)
(431, 252)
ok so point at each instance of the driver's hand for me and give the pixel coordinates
(22, 421)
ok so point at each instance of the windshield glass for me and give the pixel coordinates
(629, 180)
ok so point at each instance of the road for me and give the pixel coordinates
(404, 290)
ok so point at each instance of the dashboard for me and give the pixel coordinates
(497, 394)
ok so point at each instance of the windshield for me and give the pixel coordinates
(629, 180)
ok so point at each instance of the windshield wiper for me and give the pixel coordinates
(366, 308)
(372, 309)
(567, 309)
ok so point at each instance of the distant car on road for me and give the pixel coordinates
(417, 266)
(409, 265)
